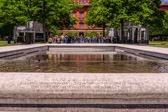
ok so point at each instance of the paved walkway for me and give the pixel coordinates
(114, 88)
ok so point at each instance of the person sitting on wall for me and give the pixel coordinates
(50, 40)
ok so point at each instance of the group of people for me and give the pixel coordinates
(81, 39)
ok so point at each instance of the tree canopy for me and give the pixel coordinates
(91, 34)
(54, 14)
(115, 12)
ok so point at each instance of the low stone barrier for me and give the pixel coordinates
(49, 88)
(58, 90)
(134, 49)
(22, 51)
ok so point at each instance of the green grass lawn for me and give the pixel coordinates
(41, 42)
(3, 43)
(158, 42)
(163, 44)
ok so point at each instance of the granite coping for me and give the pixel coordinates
(83, 86)
(129, 46)
(135, 47)
(82, 110)
(20, 47)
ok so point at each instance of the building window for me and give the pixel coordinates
(87, 3)
(79, 3)
(73, 14)
(81, 26)
(81, 15)
(82, 3)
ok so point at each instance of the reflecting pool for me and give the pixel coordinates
(83, 62)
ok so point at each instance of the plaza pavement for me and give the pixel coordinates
(60, 92)
(56, 88)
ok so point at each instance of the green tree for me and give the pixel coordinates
(52, 13)
(105, 34)
(160, 30)
(116, 12)
(97, 15)
(74, 34)
(93, 33)
(11, 15)
(69, 33)
(87, 34)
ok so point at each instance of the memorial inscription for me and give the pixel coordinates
(62, 86)
(86, 86)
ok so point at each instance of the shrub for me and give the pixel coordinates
(87, 34)
(93, 33)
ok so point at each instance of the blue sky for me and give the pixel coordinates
(163, 1)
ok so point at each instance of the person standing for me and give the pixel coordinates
(55, 39)
(66, 39)
(58, 40)
(50, 40)
(62, 38)
(9, 40)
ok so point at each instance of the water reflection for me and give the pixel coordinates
(62, 62)
(61, 57)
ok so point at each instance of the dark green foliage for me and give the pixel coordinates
(105, 34)
(115, 12)
(91, 34)
(87, 34)
(54, 14)
(74, 34)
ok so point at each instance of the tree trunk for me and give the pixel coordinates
(104, 25)
(147, 36)
(44, 21)
(121, 31)
(44, 30)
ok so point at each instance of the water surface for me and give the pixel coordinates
(83, 62)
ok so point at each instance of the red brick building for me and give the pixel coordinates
(80, 25)
(164, 7)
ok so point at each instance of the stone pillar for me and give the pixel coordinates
(128, 36)
(24, 36)
(34, 37)
(146, 36)
(133, 34)
(140, 36)
(14, 36)
(130, 33)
